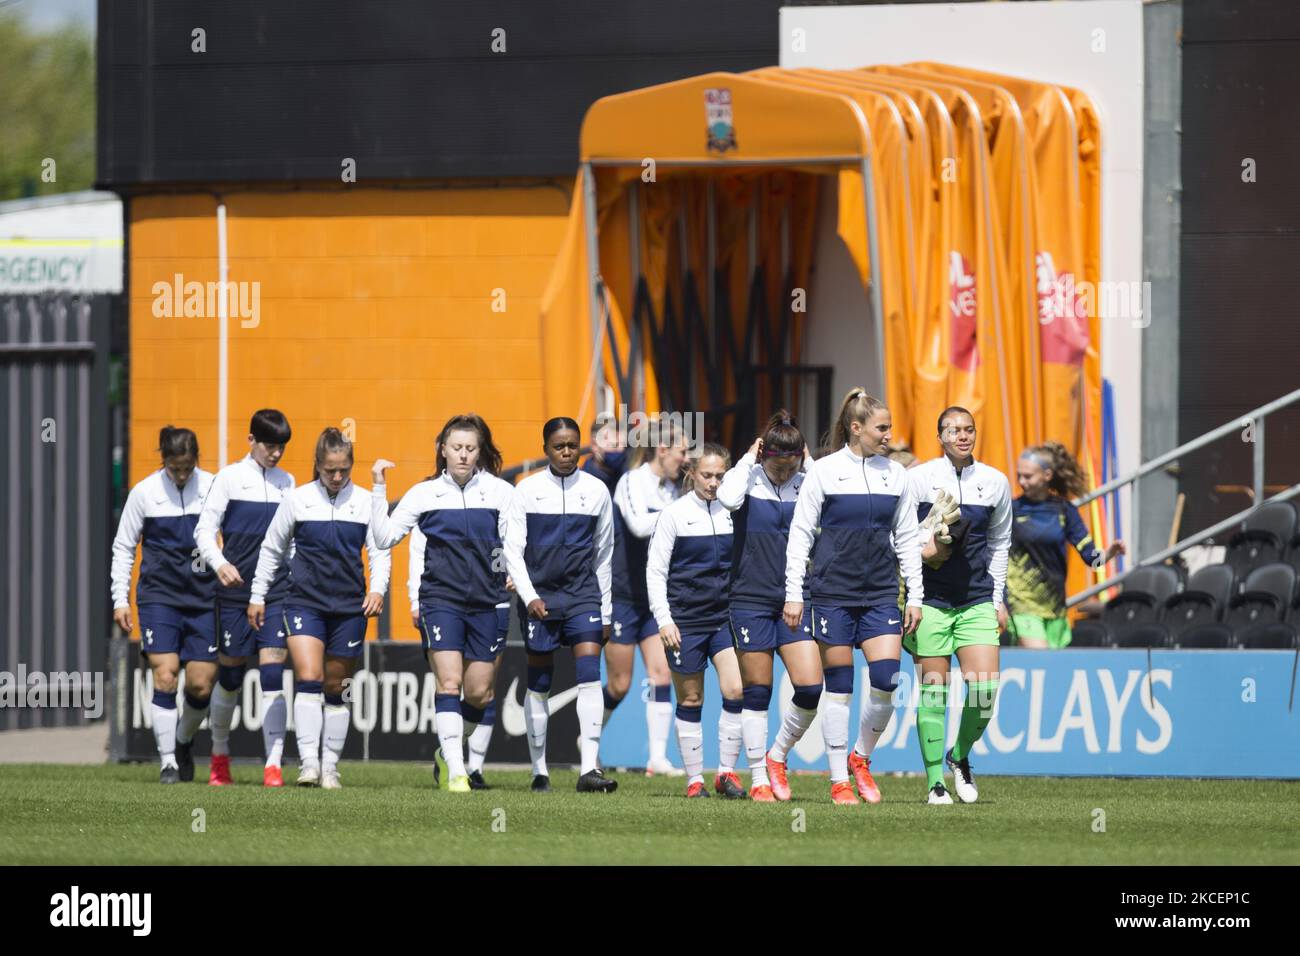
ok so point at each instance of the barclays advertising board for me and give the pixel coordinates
(1067, 713)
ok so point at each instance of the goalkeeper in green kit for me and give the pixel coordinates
(965, 511)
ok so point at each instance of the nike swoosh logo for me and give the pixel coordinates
(593, 620)
(212, 650)
(354, 643)
(513, 721)
(932, 740)
(892, 622)
(845, 477)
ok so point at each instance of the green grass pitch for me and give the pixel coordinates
(390, 814)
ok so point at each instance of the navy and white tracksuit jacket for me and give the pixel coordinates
(162, 517)
(465, 531)
(856, 518)
(561, 543)
(761, 513)
(415, 573)
(241, 504)
(639, 498)
(977, 570)
(688, 571)
(327, 535)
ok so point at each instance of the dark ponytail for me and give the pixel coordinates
(177, 443)
(782, 434)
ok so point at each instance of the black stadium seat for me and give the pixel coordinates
(1263, 539)
(1199, 606)
(1141, 635)
(1132, 617)
(1269, 637)
(1089, 633)
(1205, 637)
(1268, 594)
(1293, 546)
(1275, 636)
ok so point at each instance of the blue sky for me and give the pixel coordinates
(49, 14)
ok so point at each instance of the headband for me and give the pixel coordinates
(1038, 459)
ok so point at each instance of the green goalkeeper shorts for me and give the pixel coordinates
(944, 631)
(1054, 630)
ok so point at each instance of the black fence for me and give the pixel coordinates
(55, 491)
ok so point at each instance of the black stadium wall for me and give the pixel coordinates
(1240, 243)
(410, 89)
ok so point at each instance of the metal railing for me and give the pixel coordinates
(1253, 419)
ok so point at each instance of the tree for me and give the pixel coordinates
(47, 111)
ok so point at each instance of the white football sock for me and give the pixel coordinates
(729, 738)
(451, 731)
(537, 715)
(796, 722)
(337, 719)
(164, 733)
(753, 727)
(221, 712)
(308, 717)
(690, 741)
(188, 725)
(875, 718)
(590, 704)
(659, 720)
(274, 714)
(835, 731)
(479, 738)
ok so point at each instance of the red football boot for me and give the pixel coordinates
(219, 774)
(776, 772)
(860, 767)
(842, 793)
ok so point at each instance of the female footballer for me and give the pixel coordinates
(321, 528)
(854, 528)
(688, 581)
(639, 498)
(478, 707)
(173, 594)
(464, 514)
(243, 500)
(1045, 522)
(760, 492)
(558, 553)
(965, 507)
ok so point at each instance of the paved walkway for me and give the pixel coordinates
(55, 745)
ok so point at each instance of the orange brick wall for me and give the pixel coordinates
(376, 305)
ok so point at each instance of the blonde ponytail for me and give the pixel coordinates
(858, 406)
